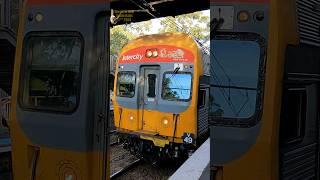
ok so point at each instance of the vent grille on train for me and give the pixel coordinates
(309, 21)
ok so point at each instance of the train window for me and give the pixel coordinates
(52, 74)
(293, 114)
(177, 87)
(235, 85)
(126, 82)
(152, 85)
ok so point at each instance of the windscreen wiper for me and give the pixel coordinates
(176, 70)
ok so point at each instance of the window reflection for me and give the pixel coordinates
(53, 72)
(126, 84)
(235, 78)
(176, 86)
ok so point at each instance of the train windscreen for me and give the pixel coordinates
(53, 71)
(235, 78)
(177, 87)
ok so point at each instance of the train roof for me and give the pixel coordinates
(178, 39)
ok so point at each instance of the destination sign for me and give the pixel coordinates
(162, 53)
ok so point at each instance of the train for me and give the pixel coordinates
(264, 122)
(161, 96)
(59, 118)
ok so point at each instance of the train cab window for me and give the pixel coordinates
(152, 85)
(293, 115)
(236, 83)
(177, 86)
(52, 73)
(126, 82)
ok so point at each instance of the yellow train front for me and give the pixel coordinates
(161, 96)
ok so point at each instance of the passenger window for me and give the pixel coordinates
(152, 85)
(52, 74)
(293, 115)
(126, 82)
(201, 98)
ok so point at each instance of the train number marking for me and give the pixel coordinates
(187, 138)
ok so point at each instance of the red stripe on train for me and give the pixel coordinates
(55, 2)
(165, 53)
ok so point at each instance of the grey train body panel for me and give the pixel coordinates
(229, 143)
(175, 107)
(45, 128)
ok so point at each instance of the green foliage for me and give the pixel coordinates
(119, 37)
(167, 91)
(140, 28)
(195, 24)
(122, 34)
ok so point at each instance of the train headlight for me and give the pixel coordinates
(39, 17)
(165, 122)
(149, 53)
(243, 16)
(155, 53)
(131, 118)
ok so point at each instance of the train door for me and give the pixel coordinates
(203, 110)
(299, 123)
(149, 97)
(299, 133)
(59, 120)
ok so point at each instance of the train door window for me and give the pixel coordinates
(202, 98)
(293, 115)
(126, 82)
(152, 85)
(51, 80)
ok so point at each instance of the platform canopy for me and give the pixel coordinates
(128, 11)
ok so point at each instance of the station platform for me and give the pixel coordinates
(197, 166)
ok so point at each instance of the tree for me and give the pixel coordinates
(196, 24)
(140, 28)
(120, 35)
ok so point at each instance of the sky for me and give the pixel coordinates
(156, 23)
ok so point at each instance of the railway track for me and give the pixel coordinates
(114, 143)
(112, 131)
(126, 169)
